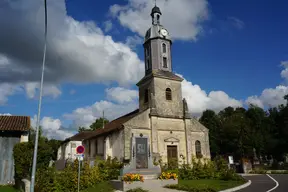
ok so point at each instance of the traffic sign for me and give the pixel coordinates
(80, 157)
(80, 149)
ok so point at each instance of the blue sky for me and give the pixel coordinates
(234, 52)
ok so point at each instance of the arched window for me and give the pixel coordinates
(168, 94)
(164, 48)
(198, 149)
(146, 96)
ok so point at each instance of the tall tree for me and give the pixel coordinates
(54, 144)
(80, 129)
(210, 120)
(98, 123)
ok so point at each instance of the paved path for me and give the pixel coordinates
(282, 181)
(259, 183)
(267, 183)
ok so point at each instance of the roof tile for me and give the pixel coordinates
(15, 123)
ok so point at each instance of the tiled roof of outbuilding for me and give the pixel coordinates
(14, 123)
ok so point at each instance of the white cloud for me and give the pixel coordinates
(269, 97)
(284, 72)
(87, 115)
(52, 128)
(198, 100)
(133, 41)
(48, 90)
(6, 90)
(237, 22)
(182, 18)
(272, 97)
(5, 114)
(121, 95)
(108, 26)
(30, 88)
(76, 52)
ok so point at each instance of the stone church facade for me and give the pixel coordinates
(163, 117)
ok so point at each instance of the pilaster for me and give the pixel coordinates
(187, 124)
(154, 134)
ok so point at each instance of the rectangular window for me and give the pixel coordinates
(165, 62)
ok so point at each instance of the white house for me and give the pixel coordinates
(67, 150)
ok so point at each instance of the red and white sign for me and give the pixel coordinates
(80, 149)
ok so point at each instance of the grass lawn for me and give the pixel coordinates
(217, 185)
(101, 187)
(7, 189)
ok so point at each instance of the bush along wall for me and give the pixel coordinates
(51, 180)
(23, 155)
(204, 169)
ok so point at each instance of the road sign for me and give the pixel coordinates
(80, 149)
(231, 161)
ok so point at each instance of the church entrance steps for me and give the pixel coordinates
(149, 184)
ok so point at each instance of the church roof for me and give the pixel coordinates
(114, 125)
(162, 74)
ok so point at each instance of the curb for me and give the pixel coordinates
(238, 187)
(250, 174)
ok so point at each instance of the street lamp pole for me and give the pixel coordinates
(39, 104)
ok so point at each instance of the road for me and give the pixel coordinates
(267, 183)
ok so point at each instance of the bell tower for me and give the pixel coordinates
(160, 89)
(157, 45)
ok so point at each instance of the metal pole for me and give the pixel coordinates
(103, 120)
(79, 169)
(39, 105)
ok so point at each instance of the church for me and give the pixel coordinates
(162, 126)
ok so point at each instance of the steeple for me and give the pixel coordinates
(160, 88)
(157, 45)
(155, 14)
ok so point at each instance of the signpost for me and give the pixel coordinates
(231, 161)
(80, 155)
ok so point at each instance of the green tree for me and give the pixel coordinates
(211, 120)
(81, 129)
(54, 144)
(98, 123)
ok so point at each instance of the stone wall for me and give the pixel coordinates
(167, 131)
(164, 107)
(147, 85)
(137, 125)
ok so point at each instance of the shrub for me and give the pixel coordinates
(23, 155)
(109, 169)
(207, 169)
(46, 180)
(50, 180)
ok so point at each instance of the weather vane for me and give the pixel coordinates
(155, 2)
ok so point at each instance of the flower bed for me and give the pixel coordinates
(168, 175)
(129, 178)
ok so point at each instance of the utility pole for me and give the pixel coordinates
(39, 104)
(103, 120)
